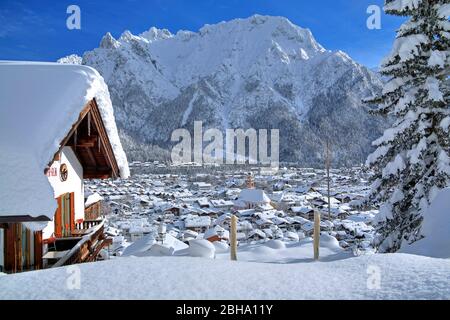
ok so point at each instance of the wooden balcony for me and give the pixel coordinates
(86, 224)
(84, 245)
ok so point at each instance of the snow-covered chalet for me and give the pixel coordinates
(57, 128)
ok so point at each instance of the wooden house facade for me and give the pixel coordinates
(85, 153)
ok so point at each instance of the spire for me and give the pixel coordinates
(249, 181)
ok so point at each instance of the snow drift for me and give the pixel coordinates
(402, 276)
(435, 228)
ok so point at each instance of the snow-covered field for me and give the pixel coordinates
(276, 251)
(390, 276)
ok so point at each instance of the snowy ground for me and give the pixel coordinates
(276, 251)
(401, 276)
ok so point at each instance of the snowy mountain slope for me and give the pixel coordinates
(260, 72)
(387, 276)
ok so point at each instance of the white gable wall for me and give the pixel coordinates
(74, 183)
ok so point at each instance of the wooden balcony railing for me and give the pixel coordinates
(89, 246)
(86, 224)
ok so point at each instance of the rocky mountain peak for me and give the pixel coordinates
(259, 72)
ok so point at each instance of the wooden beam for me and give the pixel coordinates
(24, 218)
(94, 173)
(91, 156)
(316, 244)
(18, 247)
(233, 238)
(97, 169)
(105, 143)
(37, 250)
(9, 261)
(97, 176)
(65, 141)
(87, 142)
(96, 122)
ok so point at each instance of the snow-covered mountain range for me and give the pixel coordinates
(259, 72)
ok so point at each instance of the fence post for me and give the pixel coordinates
(316, 234)
(233, 238)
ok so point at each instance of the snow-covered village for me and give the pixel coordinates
(242, 161)
(148, 208)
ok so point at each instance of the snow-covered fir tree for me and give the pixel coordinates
(412, 159)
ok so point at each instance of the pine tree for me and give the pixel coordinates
(412, 160)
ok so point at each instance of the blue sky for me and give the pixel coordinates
(36, 30)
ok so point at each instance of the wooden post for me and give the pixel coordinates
(316, 234)
(233, 238)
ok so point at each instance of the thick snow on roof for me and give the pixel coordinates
(215, 231)
(254, 196)
(93, 198)
(197, 222)
(148, 246)
(142, 245)
(39, 104)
